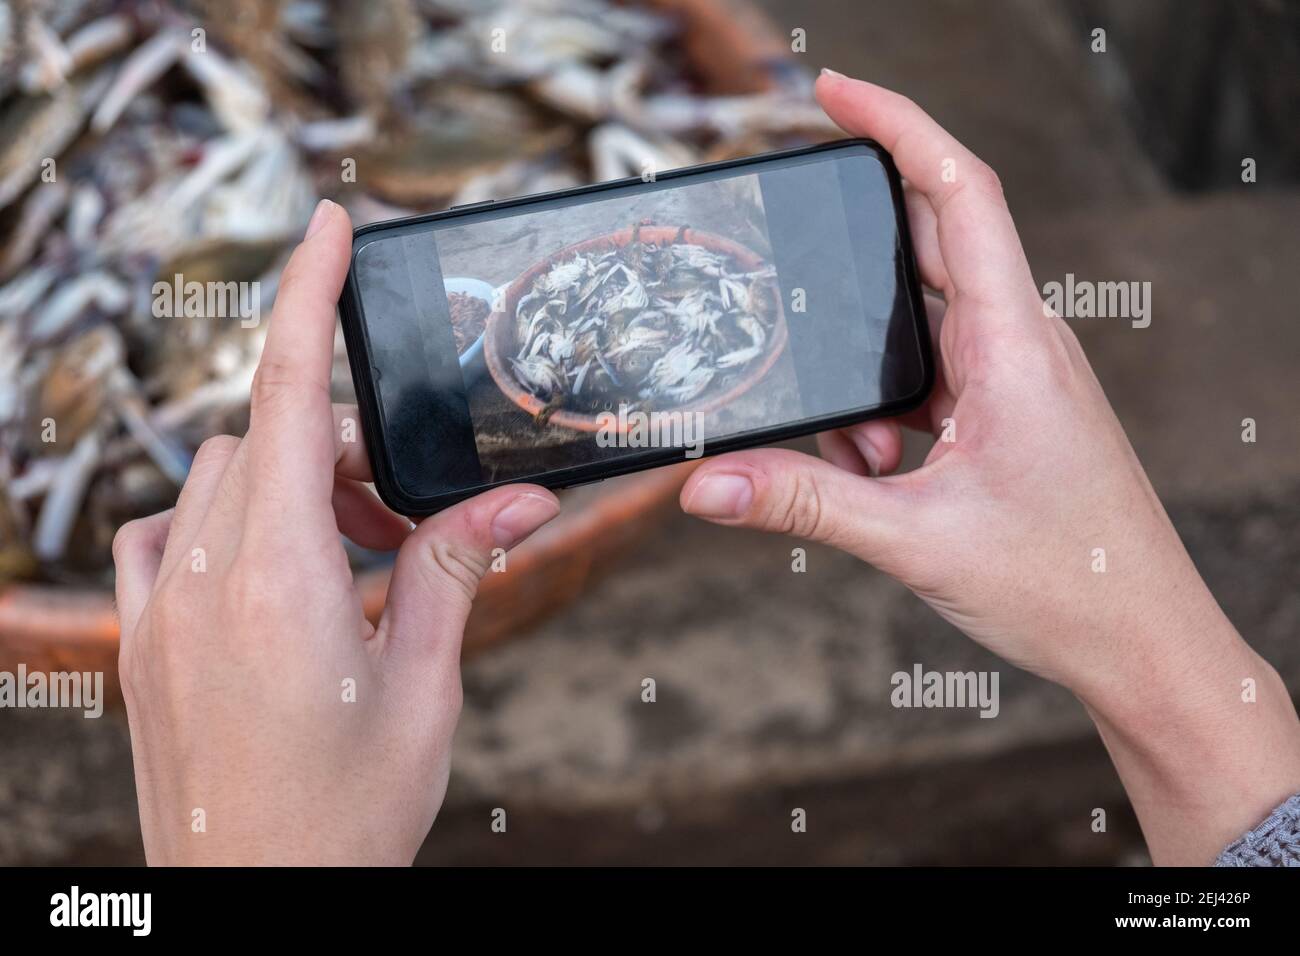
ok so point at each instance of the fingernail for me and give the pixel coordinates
(873, 458)
(721, 496)
(521, 518)
(323, 210)
(827, 71)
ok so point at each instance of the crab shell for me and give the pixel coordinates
(499, 342)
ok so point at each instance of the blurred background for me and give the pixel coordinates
(145, 140)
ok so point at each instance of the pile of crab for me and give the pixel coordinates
(186, 141)
(648, 325)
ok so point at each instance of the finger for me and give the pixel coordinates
(137, 556)
(350, 457)
(365, 520)
(923, 226)
(879, 442)
(942, 398)
(875, 448)
(980, 248)
(774, 489)
(870, 449)
(835, 447)
(947, 373)
(291, 448)
(207, 471)
(440, 564)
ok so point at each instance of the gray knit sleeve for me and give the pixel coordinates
(1275, 842)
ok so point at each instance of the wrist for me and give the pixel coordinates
(1173, 673)
(1203, 733)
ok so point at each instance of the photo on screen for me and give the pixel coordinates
(652, 317)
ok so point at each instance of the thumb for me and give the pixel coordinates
(775, 489)
(441, 562)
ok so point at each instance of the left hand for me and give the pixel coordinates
(269, 720)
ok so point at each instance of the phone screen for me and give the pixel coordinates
(556, 338)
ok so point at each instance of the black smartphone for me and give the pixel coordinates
(571, 336)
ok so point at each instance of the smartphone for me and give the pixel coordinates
(571, 336)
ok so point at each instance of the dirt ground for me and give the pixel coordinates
(773, 686)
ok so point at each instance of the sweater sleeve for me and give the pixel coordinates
(1275, 842)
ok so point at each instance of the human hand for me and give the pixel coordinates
(998, 529)
(261, 702)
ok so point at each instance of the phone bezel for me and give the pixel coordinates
(358, 346)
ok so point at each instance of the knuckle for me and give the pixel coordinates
(463, 566)
(906, 102)
(986, 179)
(127, 538)
(217, 448)
(797, 508)
(295, 271)
(278, 382)
(272, 380)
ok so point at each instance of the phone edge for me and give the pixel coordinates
(355, 340)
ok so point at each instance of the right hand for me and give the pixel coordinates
(999, 529)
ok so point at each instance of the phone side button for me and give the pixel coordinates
(474, 205)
